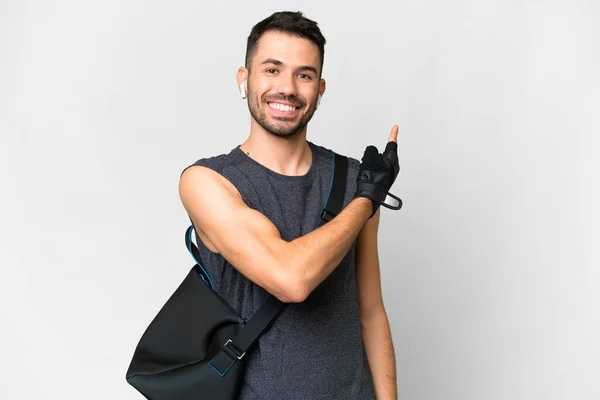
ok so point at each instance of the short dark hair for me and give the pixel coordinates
(293, 23)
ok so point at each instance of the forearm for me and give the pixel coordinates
(317, 253)
(380, 353)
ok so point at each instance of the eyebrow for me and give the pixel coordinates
(280, 64)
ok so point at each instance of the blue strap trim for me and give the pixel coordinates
(219, 372)
(210, 283)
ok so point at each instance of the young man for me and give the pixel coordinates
(255, 210)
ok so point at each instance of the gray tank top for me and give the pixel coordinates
(314, 349)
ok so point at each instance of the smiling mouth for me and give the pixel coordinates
(284, 108)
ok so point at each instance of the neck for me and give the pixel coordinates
(285, 155)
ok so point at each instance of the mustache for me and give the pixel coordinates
(288, 99)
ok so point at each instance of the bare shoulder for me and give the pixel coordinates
(205, 194)
(198, 178)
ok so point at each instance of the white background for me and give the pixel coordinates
(490, 271)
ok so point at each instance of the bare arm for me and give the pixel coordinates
(375, 327)
(249, 240)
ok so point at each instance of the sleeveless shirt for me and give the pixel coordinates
(314, 349)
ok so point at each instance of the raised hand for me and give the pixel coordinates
(378, 172)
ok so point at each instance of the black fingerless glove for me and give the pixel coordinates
(376, 175)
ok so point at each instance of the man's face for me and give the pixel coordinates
(283, 83)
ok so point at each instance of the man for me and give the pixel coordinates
(255, 210)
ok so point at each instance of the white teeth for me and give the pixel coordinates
(282, 107)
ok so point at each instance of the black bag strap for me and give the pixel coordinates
(335, 198)
(234, 349)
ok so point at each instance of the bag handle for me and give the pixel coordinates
(196, 256)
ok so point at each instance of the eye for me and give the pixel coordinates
(271, 70)
(304, 76)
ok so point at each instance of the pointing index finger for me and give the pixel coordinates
(394, 134)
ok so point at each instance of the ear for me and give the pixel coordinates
(242, 81)
(322, 86)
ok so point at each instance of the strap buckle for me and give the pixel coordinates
(234, 350)
(225, 358)
(327, 215)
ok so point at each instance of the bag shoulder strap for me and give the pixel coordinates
(335, 199)
(262, 319)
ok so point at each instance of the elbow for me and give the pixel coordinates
(292, 286)
(296, 293)
(289, 281)
(290, 289)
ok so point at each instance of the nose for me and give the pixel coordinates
(287, 85)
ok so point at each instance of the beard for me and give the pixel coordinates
(279, 126)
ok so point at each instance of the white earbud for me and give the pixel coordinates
(318, 100)
(243, 90)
